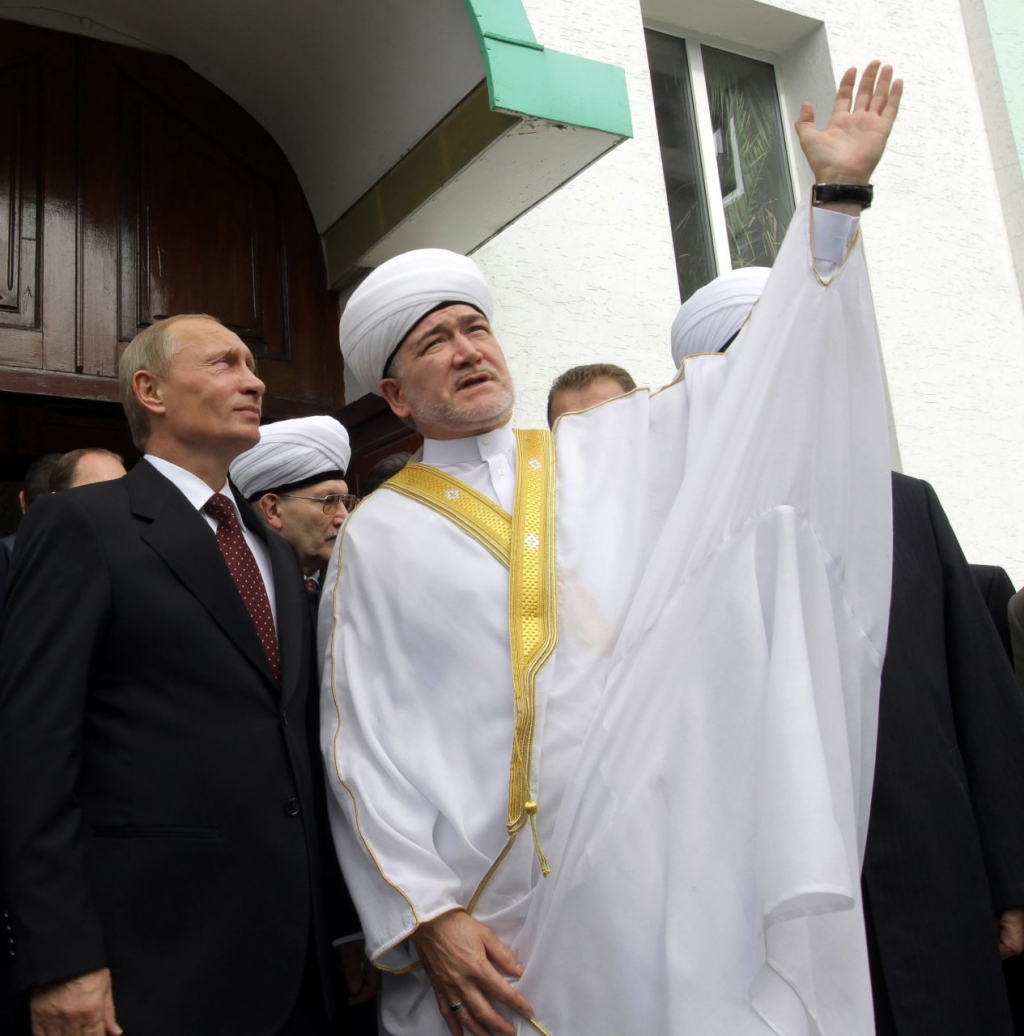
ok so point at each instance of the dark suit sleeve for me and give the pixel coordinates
(342, 918)
(5, 564)
(57, 603)
(997, 589)
(989, 714)
(1015, 622)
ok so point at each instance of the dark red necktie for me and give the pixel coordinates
(312, 589)
(246, 574)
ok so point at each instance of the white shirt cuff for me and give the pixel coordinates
(347, 938)
(832, 233)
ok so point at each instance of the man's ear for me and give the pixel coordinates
(269, 508)
(21, 501)
(391, 390)
(149, 391)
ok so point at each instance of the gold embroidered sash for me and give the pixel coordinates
(474, 513)
(525, 543)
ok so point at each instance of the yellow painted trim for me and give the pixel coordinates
(474, 513)
(458, 140)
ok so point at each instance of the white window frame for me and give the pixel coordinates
(705, 134)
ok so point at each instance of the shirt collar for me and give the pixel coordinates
(196, 491)
(472, 449)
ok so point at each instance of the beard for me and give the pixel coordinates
(454, 417)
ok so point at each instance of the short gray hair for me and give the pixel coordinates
(150, 350)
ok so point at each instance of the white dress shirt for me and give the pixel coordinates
(486, 462)
(197, 492)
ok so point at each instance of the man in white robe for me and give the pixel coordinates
(601, 761)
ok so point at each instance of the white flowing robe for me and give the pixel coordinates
(705, 728)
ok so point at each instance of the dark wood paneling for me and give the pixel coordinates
(375, 433)
(217, 249)
(19, 195)
(160, 195)
(37, 200)
(30, 426)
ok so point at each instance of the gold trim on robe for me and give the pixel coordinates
(525, 543)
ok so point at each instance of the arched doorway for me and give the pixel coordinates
(132, 189)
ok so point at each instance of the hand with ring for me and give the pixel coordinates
(464, 961)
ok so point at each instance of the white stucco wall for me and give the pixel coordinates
(588, 274)
(948, 303)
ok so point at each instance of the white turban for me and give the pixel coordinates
(396, 297)
(293, 453)
(714, 313)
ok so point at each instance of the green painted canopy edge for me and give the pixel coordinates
(504, 18)
(527, 79)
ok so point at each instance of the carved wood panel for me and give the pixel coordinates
(173, 200)
(19, 196)
(216, 249)
(36, 150)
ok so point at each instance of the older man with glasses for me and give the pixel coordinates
(295, 478)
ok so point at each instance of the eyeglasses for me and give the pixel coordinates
(329, 504)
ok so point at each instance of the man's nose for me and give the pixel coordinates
(254, 385)
(467, 350)
(339, 516)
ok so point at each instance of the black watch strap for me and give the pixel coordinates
(858, 193)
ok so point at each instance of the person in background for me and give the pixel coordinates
(580, 388)
(36, 484)
(83, 467)
(295, 479)
(383, 470)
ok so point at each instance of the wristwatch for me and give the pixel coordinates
(858, 193)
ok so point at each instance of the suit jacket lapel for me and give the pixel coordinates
(182, 538)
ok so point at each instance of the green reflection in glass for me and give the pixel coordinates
(753, 171)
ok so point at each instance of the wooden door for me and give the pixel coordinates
(38, 194)
(132, 189)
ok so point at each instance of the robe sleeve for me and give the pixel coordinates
(722, 793)
(383, 823)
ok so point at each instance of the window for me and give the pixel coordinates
(723, 151)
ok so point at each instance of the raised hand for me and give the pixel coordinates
(849, 147)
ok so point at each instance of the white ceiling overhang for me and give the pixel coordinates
(435, 122)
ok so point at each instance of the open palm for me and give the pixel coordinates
(849, 147)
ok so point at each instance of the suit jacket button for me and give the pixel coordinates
(292, 807)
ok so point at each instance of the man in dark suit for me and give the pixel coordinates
(158, 830)
(36, 484)
(943, 873)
